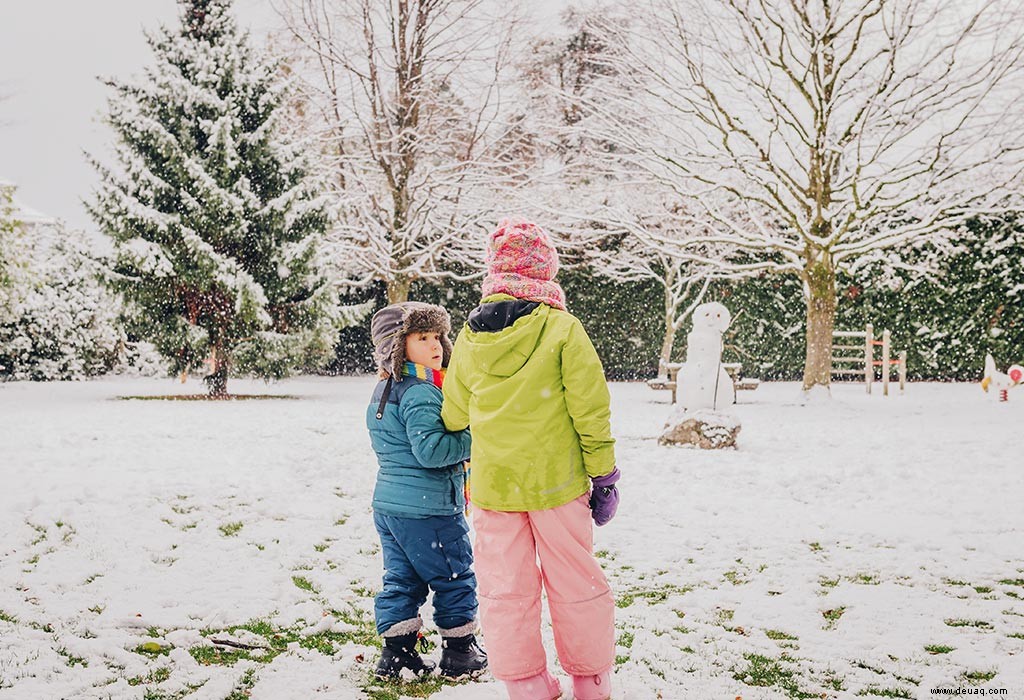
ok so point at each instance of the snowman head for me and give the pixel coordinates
(712, 316)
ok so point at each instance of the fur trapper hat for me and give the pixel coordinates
(392, 324)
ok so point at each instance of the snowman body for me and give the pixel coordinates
(702, 381)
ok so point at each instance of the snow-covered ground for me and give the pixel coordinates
(825, 557)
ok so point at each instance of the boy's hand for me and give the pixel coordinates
(604, 499)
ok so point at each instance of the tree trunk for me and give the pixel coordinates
(667, 343)
(820, 277)
(217, 380)
(398, 289)
(671, 306)
(670, 327)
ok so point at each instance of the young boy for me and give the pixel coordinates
(418, 501)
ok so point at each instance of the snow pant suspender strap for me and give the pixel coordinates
(384, 399)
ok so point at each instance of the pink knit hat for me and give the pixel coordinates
(522, 262)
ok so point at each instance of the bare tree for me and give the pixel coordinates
(406, 97)
(814, 132)
(613, 217)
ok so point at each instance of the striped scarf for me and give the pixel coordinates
(411, 369)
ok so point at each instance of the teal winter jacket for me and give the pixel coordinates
(421, 463)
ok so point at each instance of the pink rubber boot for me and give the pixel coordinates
(597, 687)
(543, 686)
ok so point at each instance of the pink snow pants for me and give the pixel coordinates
(506, 551)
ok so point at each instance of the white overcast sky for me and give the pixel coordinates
(51, 52)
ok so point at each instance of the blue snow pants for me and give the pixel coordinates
(421, 553)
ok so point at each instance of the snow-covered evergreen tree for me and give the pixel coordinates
(11, 246)
(57, 320)
(215, 220)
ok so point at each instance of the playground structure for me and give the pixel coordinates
(863, 362)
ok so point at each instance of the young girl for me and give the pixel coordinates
(526, 377)
(418, 502)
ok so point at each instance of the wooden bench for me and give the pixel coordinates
(669, 381)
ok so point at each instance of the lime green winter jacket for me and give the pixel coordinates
(535, 397)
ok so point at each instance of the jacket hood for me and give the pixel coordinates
(499, 315)
(504, 352)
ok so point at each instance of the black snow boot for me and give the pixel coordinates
(400, 652)
(462, 656)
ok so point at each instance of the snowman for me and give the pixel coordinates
(702, 382)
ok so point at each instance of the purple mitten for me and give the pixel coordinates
(604, 500)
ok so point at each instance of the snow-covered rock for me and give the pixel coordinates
(708, 430)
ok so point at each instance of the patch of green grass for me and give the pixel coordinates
(688, 650)
(832, 616)
(243, 688)
(321, 547)
(72, 660)
(979, 677)
(155, 694)
(777, 635)
(230, 529)
(98, 609)
(835, 682)
(868, 667)
(209, 655)
(983, 589)
(1016, 635)
(960, 622)
(763, 672)
(658, 594)
(7, 617)
(865, 579)
(1014, 594)
(1012, 581)
(303, 584)
(40, 533)
(828, 582)
(621, 659)
(157, 676)
(377, 689)
(654, 671)
(34, 560)
(625, 640)
(734, 578)
(341, 521)
(938, 649)
(954, 582)
(815, 546)
(885, 692)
